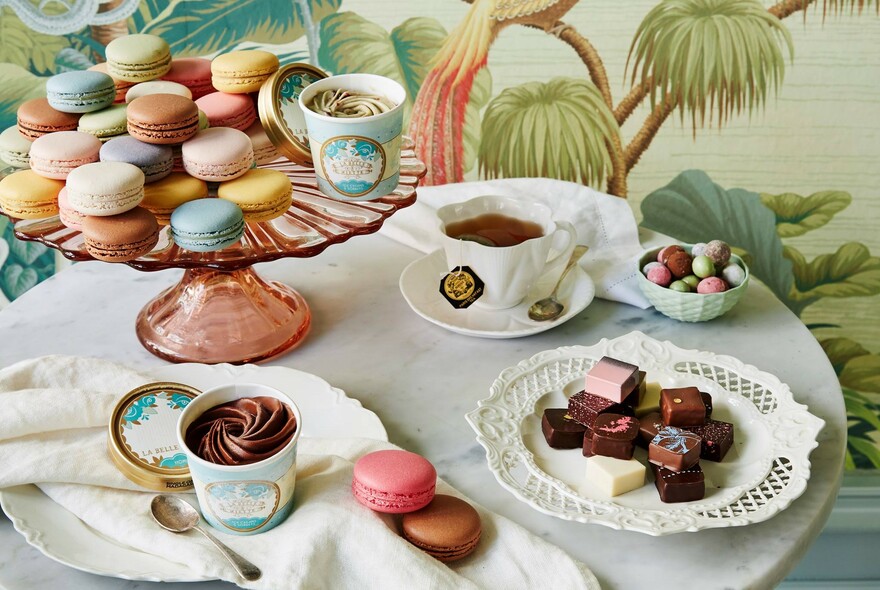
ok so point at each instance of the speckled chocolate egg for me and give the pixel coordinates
(712, 285)
(647, 268)
(733, 274)
(660, 275)
(664, 254)
(679, 263)
(698, 249)
(718, 251)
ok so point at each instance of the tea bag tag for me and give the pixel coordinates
(461, 287)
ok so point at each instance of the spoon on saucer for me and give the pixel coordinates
(549, 308)
(177, 516)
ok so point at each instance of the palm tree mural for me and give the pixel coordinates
(708, 59)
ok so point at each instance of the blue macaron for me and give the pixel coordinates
(155, 161)
(82, 91)
(205, 225)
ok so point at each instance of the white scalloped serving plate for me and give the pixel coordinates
(63, 537)
(766, 469)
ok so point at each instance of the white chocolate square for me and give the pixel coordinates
(615, 476)
(651, 400)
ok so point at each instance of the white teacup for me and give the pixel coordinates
(507, 272)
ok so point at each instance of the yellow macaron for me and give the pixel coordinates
(240, 72)
(262, 194)
(27, 195)
(162, 197)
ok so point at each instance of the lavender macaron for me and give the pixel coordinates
(154, 160)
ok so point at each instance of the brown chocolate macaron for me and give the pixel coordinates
(162, 118)
(446, 529)
(36, 118)
(679, 264)
(123, 237)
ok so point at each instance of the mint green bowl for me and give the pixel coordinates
(690, 307)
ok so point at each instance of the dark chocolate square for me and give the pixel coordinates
(679, 486)
(649, 426)
(614, 435)
(583, 407)
(587, 447)
(717, 439)
(674, 448)
(560, 430)
(682, 406)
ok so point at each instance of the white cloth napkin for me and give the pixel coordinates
(53, 432)
(604, 222)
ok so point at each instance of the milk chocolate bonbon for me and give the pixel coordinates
(614, 435)
(560, 430)
(682, 406)
(649, 426)
(679, 486)
(674, 448)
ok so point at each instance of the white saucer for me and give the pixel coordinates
(420, 285)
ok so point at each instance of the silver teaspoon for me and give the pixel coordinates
(549, 308)
(176, 515)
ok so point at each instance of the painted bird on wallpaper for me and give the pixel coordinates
(438, 114)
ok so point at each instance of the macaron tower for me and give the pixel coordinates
(125, 147)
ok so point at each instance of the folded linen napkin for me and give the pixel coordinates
(53, 428)
(604, 222)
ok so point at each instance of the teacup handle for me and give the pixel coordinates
(565, 253)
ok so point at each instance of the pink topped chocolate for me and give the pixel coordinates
(612, 379)
(614, 435)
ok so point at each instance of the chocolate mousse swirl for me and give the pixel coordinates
(242, 431)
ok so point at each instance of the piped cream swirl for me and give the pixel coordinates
(242, 431)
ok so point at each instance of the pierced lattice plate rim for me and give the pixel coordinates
(767, 468)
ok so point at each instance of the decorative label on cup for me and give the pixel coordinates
(242, 506)
(461, 287)
(355, 165)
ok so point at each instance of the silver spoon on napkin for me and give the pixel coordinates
(549, 308)
(177, 516)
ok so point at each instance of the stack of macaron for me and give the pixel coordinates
(403, 483)
(127, 146)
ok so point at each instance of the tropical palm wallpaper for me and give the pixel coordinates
(751, 121)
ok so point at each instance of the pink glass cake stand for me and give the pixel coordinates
(222, 311)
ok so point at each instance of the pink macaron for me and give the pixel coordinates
(192, 72)
(218, 154)
(55, 155)
(228, 110)
(394, 481)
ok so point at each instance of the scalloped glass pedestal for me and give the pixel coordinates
(222, 311)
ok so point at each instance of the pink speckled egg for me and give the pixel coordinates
(647, 268)
(712, 285)
(660, 275)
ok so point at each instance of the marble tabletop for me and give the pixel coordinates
(421, 380)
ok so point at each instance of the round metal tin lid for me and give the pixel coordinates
(143, 436)
(280, 113)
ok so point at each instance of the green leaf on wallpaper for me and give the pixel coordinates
(26, 48)
(862, 373)
(26, 253)
(849, 272)
(18, 86)
(16, 279)
(841, 350)
(796, 215)
(558, 129)
(859, 407)
(351, 43)
(692, 208)
(200, 27)
(69, 59)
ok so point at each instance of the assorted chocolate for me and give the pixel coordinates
(618, 410)
(707, 268)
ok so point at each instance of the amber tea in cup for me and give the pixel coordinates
(494, 229)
